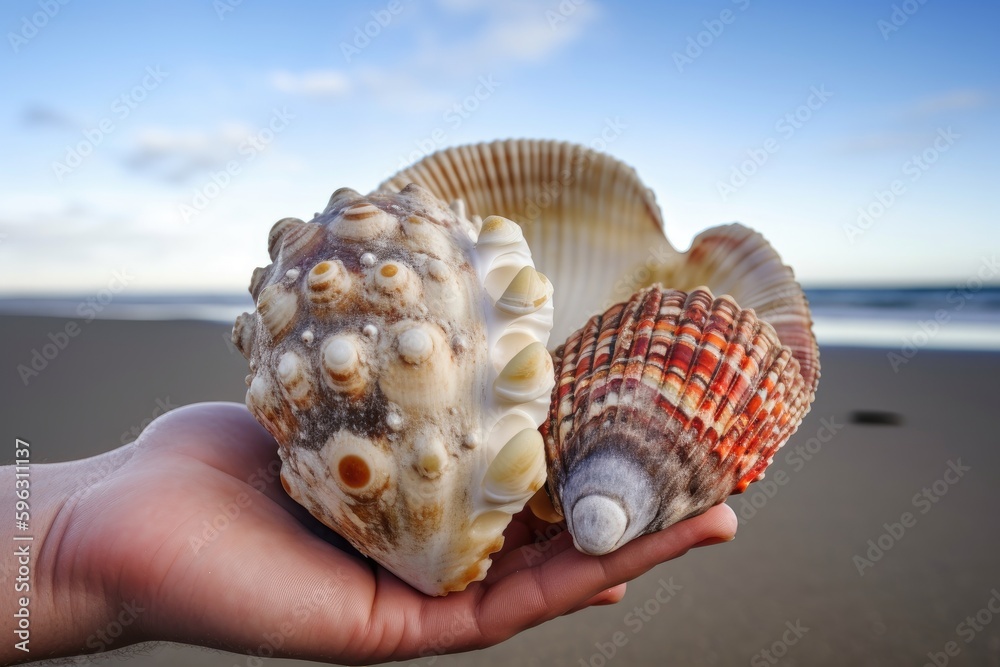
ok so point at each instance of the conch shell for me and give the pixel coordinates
(672, 399)
(397, 355)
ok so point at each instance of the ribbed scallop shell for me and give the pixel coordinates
(396, 360)
(664, 406)
(596, 231)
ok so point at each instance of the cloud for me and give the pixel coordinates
(886, 142)
(319, 83)
(954, 100)
(913, 126)
(516, 31)
(43, 116)
(427, 72)
(177, 155)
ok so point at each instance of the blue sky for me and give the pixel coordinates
(847, 101)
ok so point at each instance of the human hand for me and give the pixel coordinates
(192, 531)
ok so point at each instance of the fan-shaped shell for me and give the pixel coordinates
(389, 353)
(596, 232)
(664, 406)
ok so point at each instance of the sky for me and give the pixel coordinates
(160, 141)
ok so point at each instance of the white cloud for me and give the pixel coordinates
(503, 34)
(176, 155)
(320, 83)
(511, 32)
(954, 100)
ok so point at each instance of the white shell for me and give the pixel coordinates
(382, 365)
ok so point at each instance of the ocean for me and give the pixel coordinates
(962, 317)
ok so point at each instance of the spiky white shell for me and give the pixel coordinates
(395, 357)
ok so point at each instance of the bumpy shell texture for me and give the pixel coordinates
(664, 405)
(397, 355)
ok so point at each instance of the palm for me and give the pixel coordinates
(208, 543)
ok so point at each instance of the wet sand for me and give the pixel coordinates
(835, 486)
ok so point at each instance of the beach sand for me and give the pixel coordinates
(831, 490)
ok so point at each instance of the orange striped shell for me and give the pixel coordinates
(664, 406)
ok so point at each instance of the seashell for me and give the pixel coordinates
(344, 365)
(277, 308)
(394, 354)
(279, 229)
(393, 282)
(526, 376)
(518, 469)
(664, 406)
(363, 221)
(342, 197)
(580, 208)
(295, 378)
(407, 416)
(328, 281)
(243, 334)
(526, 293)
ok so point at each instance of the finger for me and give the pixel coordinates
(531, 554)
(606, 597)
(530, 596)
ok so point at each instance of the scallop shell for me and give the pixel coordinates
(596, 231)
(401, 366)
(664, 406)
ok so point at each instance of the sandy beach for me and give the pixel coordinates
(821, 557)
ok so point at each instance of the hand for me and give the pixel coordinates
(191, 537)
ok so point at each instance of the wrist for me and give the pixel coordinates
(60, 600)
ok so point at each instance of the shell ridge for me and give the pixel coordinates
(685, 395)
(560, 188)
